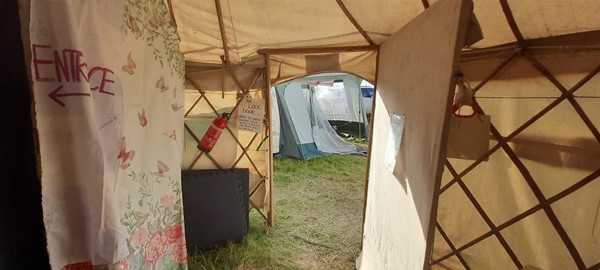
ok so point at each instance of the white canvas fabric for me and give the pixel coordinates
(324, 135)
(309, 124)
(275, 121)
(107, 80)
(299, 111)
(342, 101)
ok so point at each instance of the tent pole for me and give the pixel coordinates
(171, 12)
(496, 71)
(270, 215)
(222, 28)
(354, 22)
(370, 143)
(303, 50)
(511, 22)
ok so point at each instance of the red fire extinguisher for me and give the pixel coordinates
(212, 134)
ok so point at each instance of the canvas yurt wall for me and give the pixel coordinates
(535, 201)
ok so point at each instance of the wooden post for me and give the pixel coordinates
(222, 28)
(171, 13)
(354, 22)
(307, 50)
(370, 144)
(270, 214)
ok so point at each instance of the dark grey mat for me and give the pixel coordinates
(215, 205)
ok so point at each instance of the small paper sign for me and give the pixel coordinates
(252, 113)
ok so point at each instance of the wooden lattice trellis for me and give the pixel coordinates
(258, 85)
(543, 203)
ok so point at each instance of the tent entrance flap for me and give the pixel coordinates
(415, 79)
(304, 131)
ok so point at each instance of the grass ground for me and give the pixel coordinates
(318, 211)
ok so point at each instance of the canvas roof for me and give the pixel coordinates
(249, 26)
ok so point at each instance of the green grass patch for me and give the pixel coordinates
(318, 212)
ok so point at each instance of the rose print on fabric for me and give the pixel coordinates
(155, 247)
(139, 237)
(155, 224)
(168, 201)
(179, 253)
(174, 233)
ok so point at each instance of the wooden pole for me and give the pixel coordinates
(171, 13)
(511, 21)
(354, 22)
(369, 148)
(222, 28)
(270, 214)
(306, 50)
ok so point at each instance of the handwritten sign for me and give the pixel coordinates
(68, 66)
(252, 113)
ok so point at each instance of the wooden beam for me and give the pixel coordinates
(171, 13)
(270, 214)
(568, 43)
(594, 176)
(465, 14)
(425, 3)
(495, 72)
(594, 267)
(452, 247)
(192, 107)
(191, 167)
(484, 215)
(306, 50)
(588, 122)
(202, 94)
(262, 180)
(244, 150)
(525, 125)
(354, 22)
(511, 21)
(522, 127)
(537, 192)
(369, 147)
(222, 28)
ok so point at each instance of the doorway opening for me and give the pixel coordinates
(319, 178)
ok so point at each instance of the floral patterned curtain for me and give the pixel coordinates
(107, 83)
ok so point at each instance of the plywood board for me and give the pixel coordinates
(415, 79)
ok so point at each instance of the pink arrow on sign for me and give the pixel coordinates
(54, 95)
